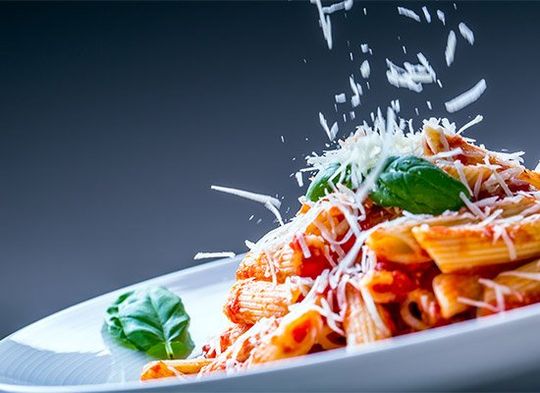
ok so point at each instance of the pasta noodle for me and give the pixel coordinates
(420, 310)
(359, 325)
(173, 368)
(286, 263)
(251, 300)
(520, 287)
(449, 288)
(465, 247)
(295, 335)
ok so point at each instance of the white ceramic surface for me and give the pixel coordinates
(68, 352)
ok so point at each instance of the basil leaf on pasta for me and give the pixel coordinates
(418, 186)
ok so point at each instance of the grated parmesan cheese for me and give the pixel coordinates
(450, 48)
(473, 122)
(299, 179)
(220, 254)
(471, 206)
(342, 5)
(525, 275)
(261, 198)
(477, 303)
(466, 98)
(364, 69)
(340, 98)
(466, 33)
(441, 17)
(500, 232)
(325, 23)
(459, 168)
(331, 132)
(427, 15)
(303, 245)
(408, 13)
(271, 203)
(411, 76)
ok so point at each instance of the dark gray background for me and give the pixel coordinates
(115, 118)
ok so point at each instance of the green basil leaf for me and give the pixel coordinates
(418, 186)
(320, 186)
(152, 320)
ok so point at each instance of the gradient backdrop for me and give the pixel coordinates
(115, 119)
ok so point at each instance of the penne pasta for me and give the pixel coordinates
(286, 262)
(173, 368)
(235, 356)
(420, 310)
(306, 255)
(530, 177)
(250, 300)
(387, 286)
(396, 243)
(220, 343)
(466, 247)
(474, 174)
(329, 339)
(449, 288)
(295, 335)
(513, 288)
(359, 323)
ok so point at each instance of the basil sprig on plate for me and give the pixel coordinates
(152, 320)
(418, 186)
(408, 182)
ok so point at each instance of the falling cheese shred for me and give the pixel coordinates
(219, 254)
(261, 198)
(466, 98)
(408, 13)
(466, 33)
(427, 15)
(450, 48)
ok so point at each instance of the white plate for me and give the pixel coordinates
(67, 351)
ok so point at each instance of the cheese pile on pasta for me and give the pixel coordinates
(398, 233)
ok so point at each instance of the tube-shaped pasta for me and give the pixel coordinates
(362, 323)
(472, 173)
(173, 368)
(396, 243)
(220, 343)
(305, 255)
(420, 310)
(515, 288)
(296, 334)
(329, 339)
(531, 177)
(437, 141)
(285, 262)
(519, 205)
(387, 286)
(237, 354)
(250, 300)
(467, 247)
(449, 287)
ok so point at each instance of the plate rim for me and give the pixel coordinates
(393, 343)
